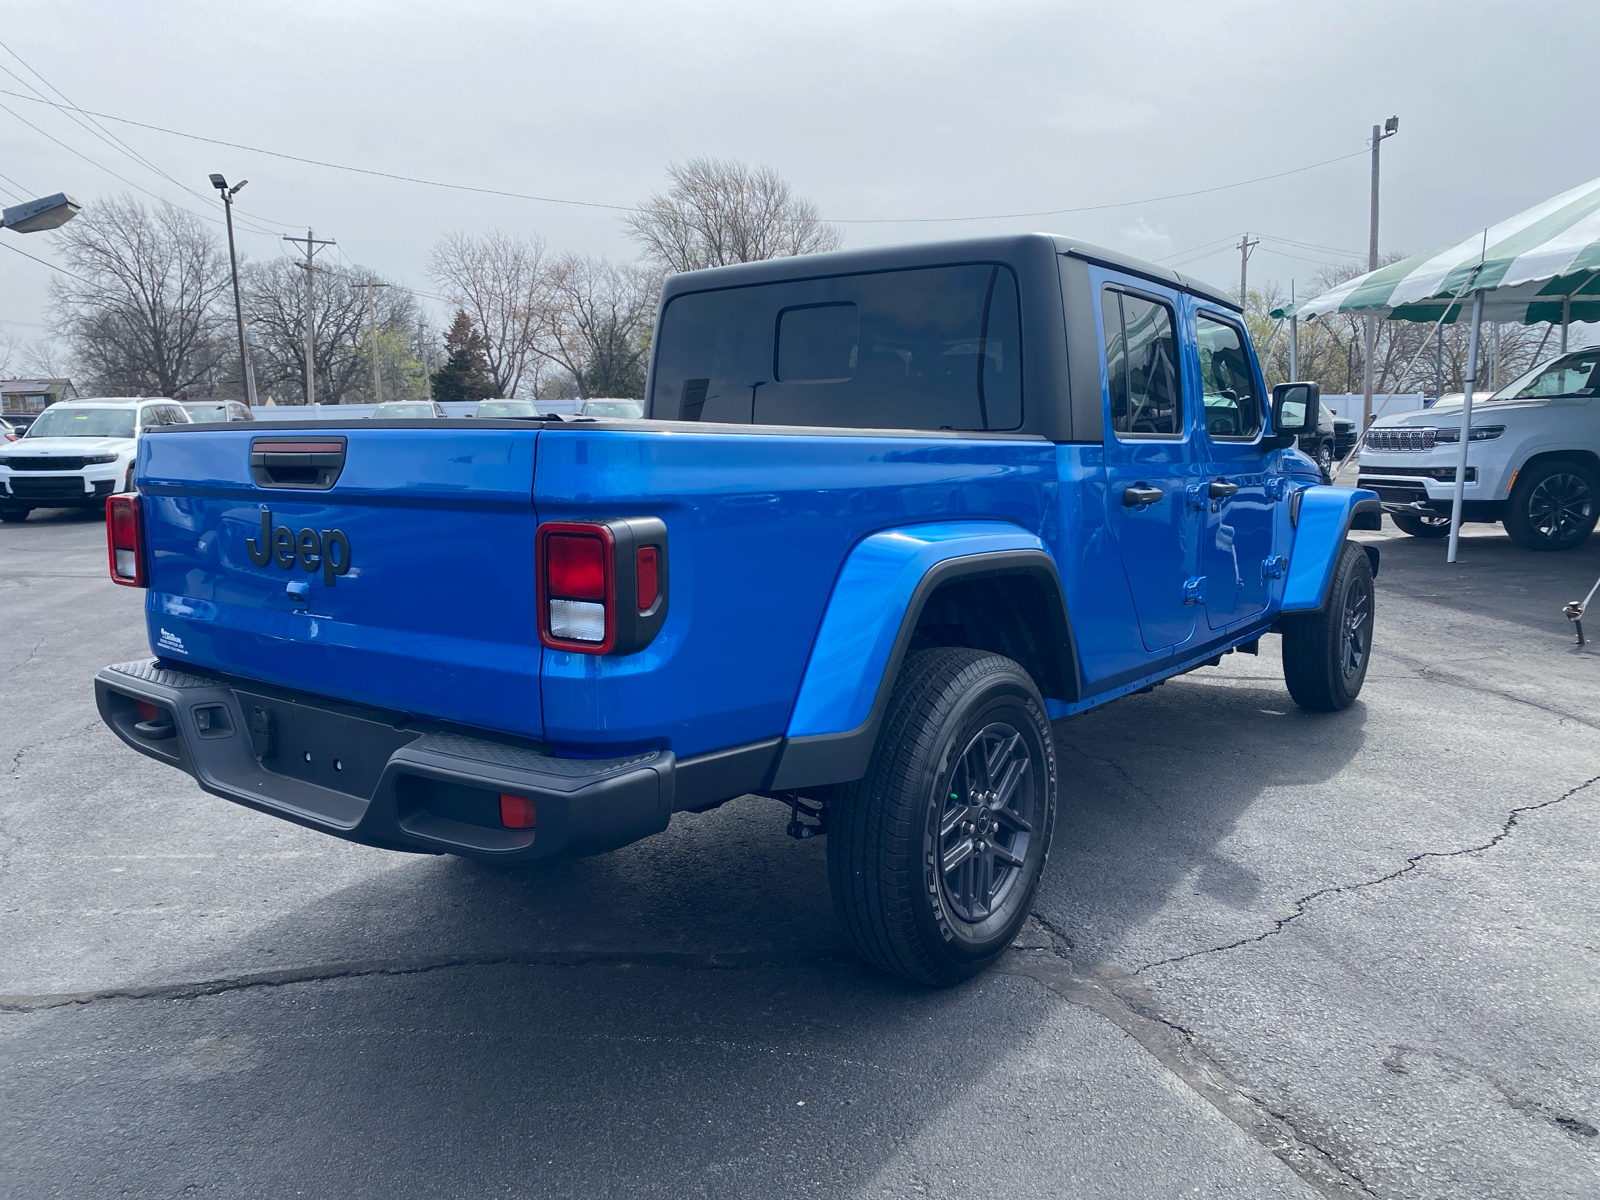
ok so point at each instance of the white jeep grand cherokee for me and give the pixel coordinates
(1533, 459)
(77, 453)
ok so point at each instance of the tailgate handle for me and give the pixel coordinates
(302, 462)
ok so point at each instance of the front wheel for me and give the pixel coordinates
(934, 856)
(1326, 653)
(1421, 526)
(1553, 505)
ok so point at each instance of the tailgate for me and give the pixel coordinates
(432, 611)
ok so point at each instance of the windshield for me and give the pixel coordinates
(410, 408)
(507, 408)
(207, 412)
(1574, 375)
(613, 408)
(83, 422)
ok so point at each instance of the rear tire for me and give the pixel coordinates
(1553, 506)
(1419, 526)
(1326, 654)
(9, 515)
(935, 855)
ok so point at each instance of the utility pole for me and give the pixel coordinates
(1244, 247)
(312, 245)
(372, 311)
(1379, 132)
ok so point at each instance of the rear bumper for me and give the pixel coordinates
(374, 778)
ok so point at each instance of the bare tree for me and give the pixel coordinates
(499, 281)
(140, 310)
(718, 212)
(275, 305)
(595, 324)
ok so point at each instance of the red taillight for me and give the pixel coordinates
(146, 710)
(576, 571)
(576, 566)
(649, 577)
(516, 812)
(125, 540)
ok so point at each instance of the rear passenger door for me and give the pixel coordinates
(1238, 494)
(1150, 454)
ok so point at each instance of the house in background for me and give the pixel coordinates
(30, 397)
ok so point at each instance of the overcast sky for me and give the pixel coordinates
(874, 109)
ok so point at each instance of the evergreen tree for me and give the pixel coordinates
(465, 374)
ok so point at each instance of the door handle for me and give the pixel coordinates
(1138, 497)
(1221, 489)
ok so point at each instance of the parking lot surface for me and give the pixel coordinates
(1276, 954)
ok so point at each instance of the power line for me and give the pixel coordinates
(628, 208)
(1056, 212)
(113, 174)
(86, 121)
(43, 262)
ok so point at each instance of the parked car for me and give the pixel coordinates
(408, 410)
(505, 408)
(207, 411)
(1321, 443)
(1533, 458)
(1344, 438)
(8, 431)
(626, 409)
(986, 485)
(78, 452)
(19, 422)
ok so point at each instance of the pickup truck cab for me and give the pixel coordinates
(1533, 458)
(890, 513)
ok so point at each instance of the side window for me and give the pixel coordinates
(1227, 384)
(150, 417)
(1141, 366)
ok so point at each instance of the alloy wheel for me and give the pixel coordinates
(1356, 632)
(1559, 507)
(986, 822)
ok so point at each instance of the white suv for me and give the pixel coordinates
(77, 453)
(1533, 459)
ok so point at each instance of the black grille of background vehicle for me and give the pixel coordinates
(1401, 439)
(59, 463)
(1395, 492)
(49, 489)
(1437, 474)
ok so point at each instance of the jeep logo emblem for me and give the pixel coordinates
(328, 551)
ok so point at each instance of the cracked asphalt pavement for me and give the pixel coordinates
(1276, 954)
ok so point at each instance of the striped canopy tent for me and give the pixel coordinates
(1541, 265)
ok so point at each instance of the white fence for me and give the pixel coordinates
(1349, 405)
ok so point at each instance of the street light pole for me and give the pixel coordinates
(1379, 132)
(247, 376)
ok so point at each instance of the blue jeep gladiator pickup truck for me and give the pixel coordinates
(890, 514)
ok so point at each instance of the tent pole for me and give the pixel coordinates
(1466, 425)
(1438, 361)
(1566, 319)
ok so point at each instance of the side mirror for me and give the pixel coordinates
(1295, 407)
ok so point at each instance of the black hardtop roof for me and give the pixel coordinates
(1009, 248)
